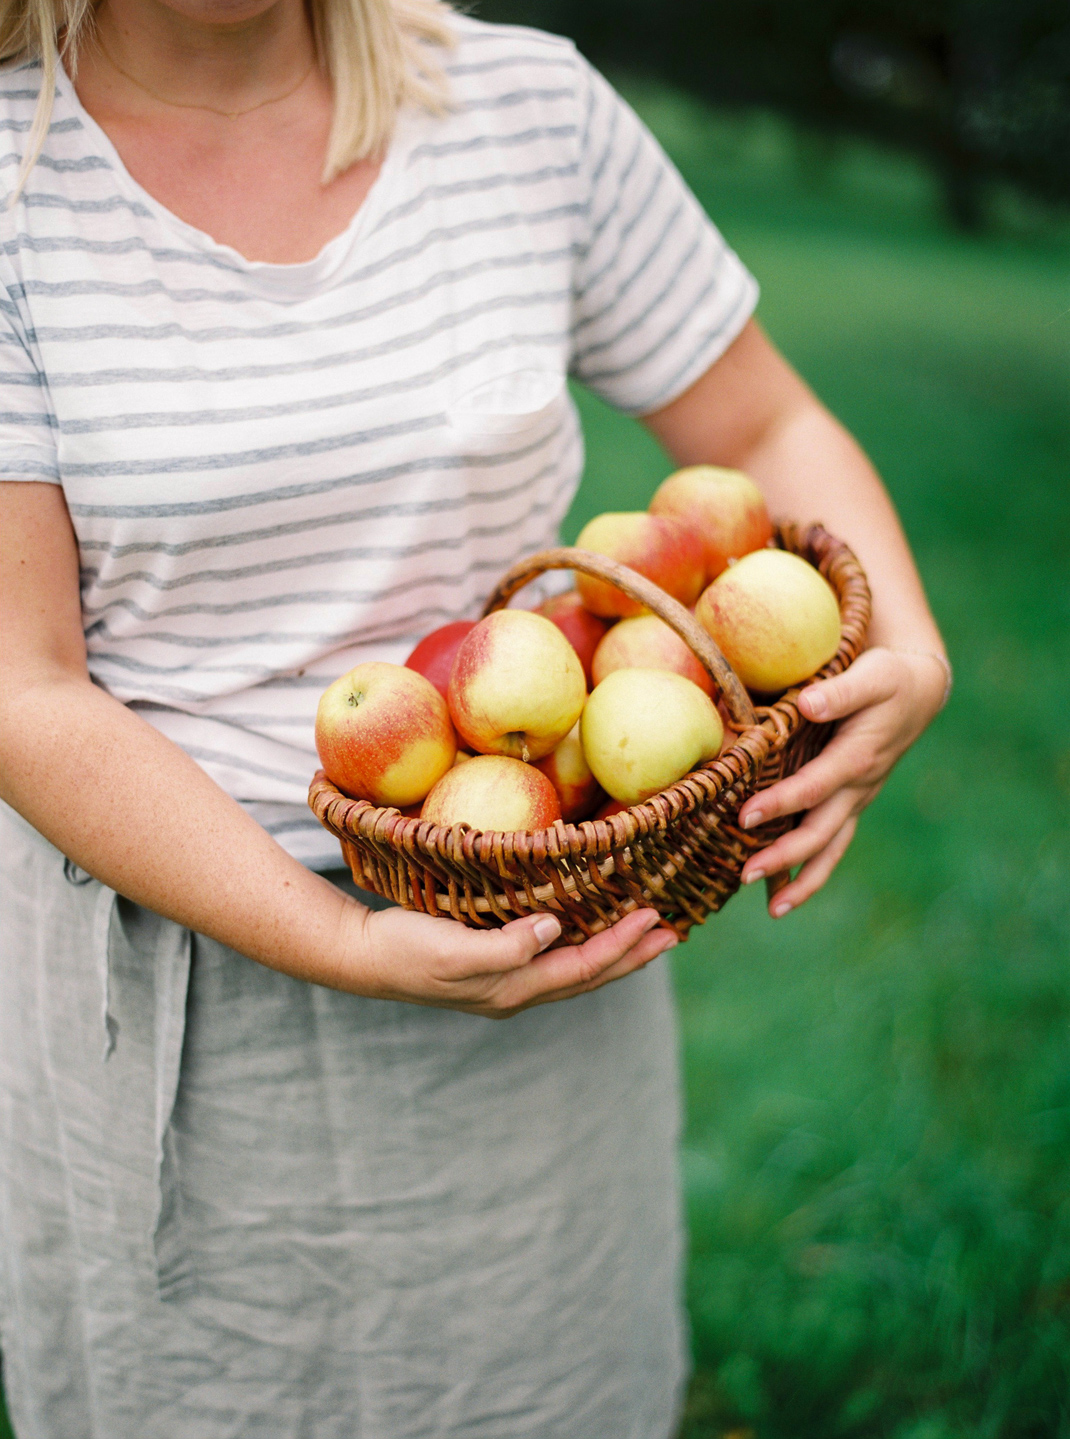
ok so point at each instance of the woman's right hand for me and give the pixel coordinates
(398, 954)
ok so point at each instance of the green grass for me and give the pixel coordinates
(878, 1148)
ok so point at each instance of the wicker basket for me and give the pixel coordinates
(680, 852)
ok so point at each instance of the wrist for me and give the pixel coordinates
(939, 659)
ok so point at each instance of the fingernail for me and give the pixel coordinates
(754, 876)
(780, 909)
(671, 943)
(816, 703)
(754, 818)
(546, 930)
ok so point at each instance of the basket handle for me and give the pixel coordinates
(636, 587)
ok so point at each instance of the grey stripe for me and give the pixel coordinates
(43, 200)
(670, 388)
(27, 417)
(502, 62)
(327, 557)
(484, 225)
(482, 185)
(510, 98)
(409, 509)
(248, 766)
(484, 142)
(70, 334)
(66, 289)
(594, 376)
(683, 264)
(496, 564)
(624, 285)
(184, 418)
(12, 160)
(313, 487)
(57, 127)
(398, 510)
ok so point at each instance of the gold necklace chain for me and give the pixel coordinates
(212, 109)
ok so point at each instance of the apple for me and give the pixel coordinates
(648, 643)
(383, 733)
(568, 771)
(517, 686)
(434, 655)
(725, 508)
(611, 807)
(493, 791)
(583, 630)
(657, 546)
(775, 619)
(642, 730)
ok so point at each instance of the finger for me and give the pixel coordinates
(809, 838)
(871, 680)
(844, 760)
(649, 947)
(814, 874)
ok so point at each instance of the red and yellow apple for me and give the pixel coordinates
(517, 686)
(433, 657)
(492, 791)
(656, 546)
(725, 508)
(583, 630)
(567, 770)
(642, 730)
(383, 733)
(774, 617)
(648, 643)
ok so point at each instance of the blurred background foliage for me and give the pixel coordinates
(980, 88)
(877, 1157)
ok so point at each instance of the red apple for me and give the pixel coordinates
(774, 617)
(725, 508)
(582, 629)
(648, 643)
(570, 774)
(435, 653)
(492, 791)
(611, 807)
(642, 730)
(657, 546)
(383, 733)
(517, 686)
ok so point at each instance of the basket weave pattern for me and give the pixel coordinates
(680, 852)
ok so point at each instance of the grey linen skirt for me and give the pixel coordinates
(233, 1204)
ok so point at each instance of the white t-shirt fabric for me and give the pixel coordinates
(276, 472)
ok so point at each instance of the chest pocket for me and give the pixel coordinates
(508, 411)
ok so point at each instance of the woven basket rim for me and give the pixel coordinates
(597, 839)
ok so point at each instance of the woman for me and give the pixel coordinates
(290, 296)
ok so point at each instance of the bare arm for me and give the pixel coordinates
(753, 412)
(132, 809)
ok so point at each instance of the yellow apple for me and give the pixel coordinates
(648, 643)
(642, 730)
(775, 619)
(517, 686)
(491, 791)
(567, 770)
(656, 546)
(383, 733)
(725, 508)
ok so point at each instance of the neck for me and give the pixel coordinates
(237, 57)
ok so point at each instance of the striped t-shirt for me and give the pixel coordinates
(276, 472)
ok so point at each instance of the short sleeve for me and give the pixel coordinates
(27, 427)
(658, 294)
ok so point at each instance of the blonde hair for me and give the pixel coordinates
(377, 54)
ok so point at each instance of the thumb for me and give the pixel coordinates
(518, 942)
(866, 682)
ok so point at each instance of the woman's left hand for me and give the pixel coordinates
(883, 703)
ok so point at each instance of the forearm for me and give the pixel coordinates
(136, 812)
